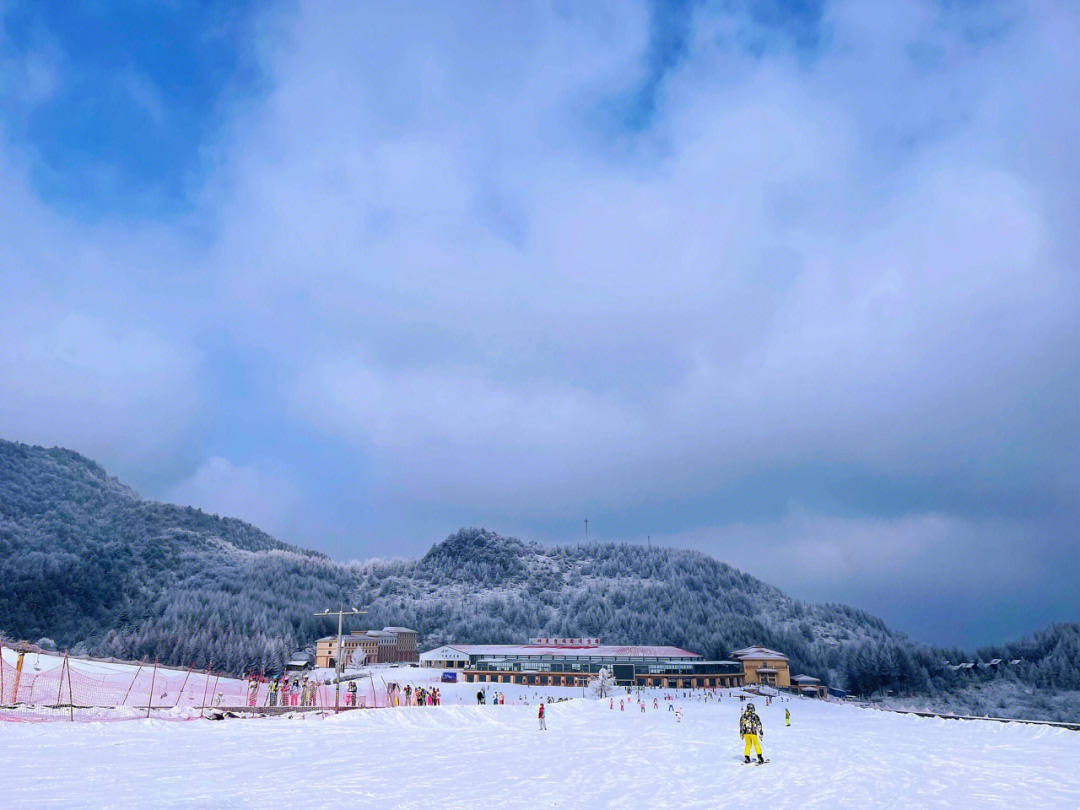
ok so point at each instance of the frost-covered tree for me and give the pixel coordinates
(358, 659)
(603, 684)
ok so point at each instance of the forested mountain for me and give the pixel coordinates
(477, 586)
(87, 562)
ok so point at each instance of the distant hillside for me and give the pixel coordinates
(87, 562)
(477, 586)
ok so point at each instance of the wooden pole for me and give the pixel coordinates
(60, 685)
(205, 687)
(128, 692)
(216, 681)
(71, 700)
(18, 677)
(2, 701)
(183, 685)
(150, 701)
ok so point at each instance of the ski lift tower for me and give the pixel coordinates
(341, 614)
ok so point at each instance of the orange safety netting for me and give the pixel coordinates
(73, 689)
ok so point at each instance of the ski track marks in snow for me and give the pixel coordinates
(591, 757)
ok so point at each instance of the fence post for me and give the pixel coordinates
(216, 681)
(209, 669)
(71, 700)
(128, 692)
(60, 680)
(183, 685)
(150, 701)
(18, 677)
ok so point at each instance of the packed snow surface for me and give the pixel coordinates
(592, 756)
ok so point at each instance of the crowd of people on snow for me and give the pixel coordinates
(284, 691)
(421, 696)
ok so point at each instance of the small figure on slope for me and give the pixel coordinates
(787, 717)
(543, 718)
(751, 732)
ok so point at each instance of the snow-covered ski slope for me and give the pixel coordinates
(451, 756)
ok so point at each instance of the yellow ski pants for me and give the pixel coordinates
(752, 740)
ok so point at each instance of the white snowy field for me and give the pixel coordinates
(591, 757)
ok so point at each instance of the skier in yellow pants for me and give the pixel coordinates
(751, 732)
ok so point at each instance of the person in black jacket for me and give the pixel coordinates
(751, 732)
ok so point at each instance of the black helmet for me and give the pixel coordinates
(750, 707)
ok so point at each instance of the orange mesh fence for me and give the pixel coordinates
(55, 688)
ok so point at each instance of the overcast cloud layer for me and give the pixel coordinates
(795, 287)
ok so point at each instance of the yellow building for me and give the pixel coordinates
(326, 649)
(764, 667)
(379, 647)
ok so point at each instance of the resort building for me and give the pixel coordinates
(576, 661)
(391, 644)
(764, 667)
(808, 686)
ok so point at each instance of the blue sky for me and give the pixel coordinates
(793, 283)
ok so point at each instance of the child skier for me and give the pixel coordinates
(787, 717)
(750, 730)
(543, 718)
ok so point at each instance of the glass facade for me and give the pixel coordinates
(571, 669)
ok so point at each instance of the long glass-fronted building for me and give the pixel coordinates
(573, 662)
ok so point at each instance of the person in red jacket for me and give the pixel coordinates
(543, 719)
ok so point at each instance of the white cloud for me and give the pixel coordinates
(432, 245)
(91, 359)
(113, 391)
(255, 493)
(847, 262)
